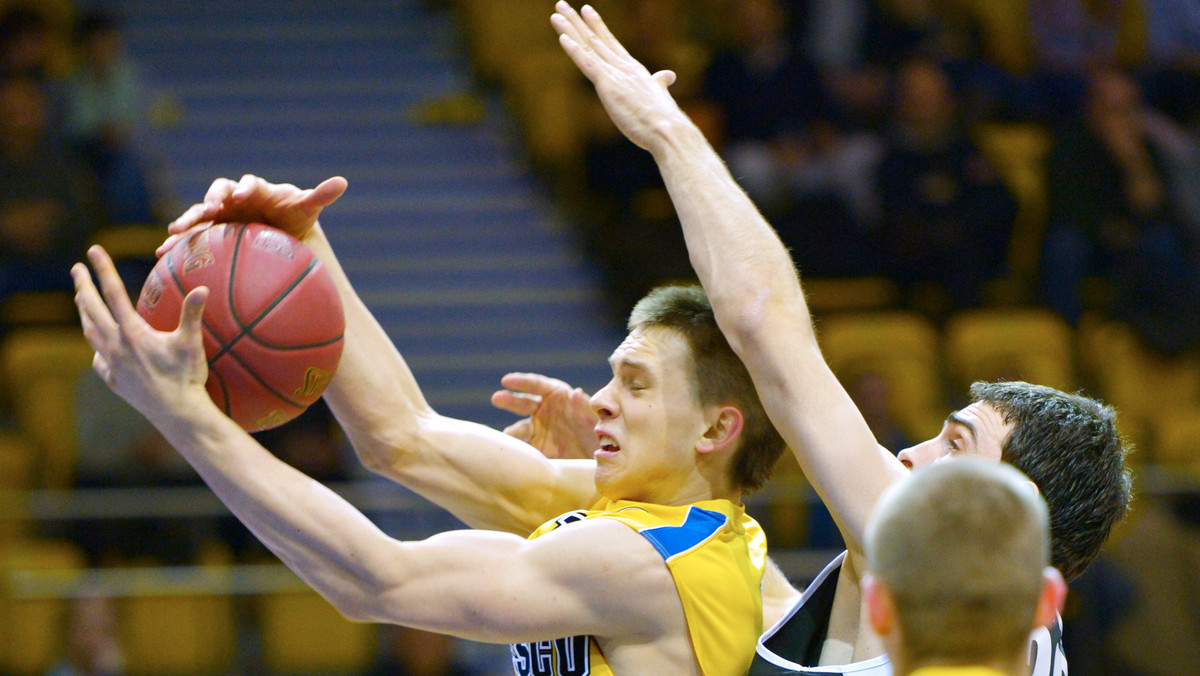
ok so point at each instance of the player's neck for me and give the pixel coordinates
(1012, 667)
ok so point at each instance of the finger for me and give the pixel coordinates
(665, 78)
(101, 366)
(247, 185)
(573, 40)
(219, 192)
(514, 402)
(189, 218)
(111, 286)
(533, 383)
(98, 325)
(326, 193)
(602, 37)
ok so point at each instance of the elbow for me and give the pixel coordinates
(745, 319)
(388, 448)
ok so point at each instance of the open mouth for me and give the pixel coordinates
(608, 444)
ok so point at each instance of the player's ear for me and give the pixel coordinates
(723, 429)
(881, 610)
(1050, 601)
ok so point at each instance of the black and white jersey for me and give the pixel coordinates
(795, 642)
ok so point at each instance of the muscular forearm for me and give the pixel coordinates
(328, 543)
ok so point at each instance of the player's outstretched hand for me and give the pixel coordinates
(159, 373)
(559, 420)
(253, 199)
(636, 100)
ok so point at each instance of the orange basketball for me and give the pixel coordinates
(273, 323)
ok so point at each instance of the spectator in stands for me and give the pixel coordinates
(767, 92)
(49, 203)
(105, 114)
(1172, 69)
(27, 50)
(629, 224)
(1112, 217)
(93, 647)
(1070, 37)
(947, 218)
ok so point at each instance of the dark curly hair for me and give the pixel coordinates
(1067, 444)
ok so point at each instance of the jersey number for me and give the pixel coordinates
(561, 657)
(1046, 655)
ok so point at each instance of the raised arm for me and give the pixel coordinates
(598, 577)
(748, 275)
(379, 404)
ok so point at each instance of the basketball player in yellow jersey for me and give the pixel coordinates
(660, 575)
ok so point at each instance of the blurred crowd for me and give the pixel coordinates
(72, 111)
(975, 153)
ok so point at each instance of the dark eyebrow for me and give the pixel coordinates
(957, 419)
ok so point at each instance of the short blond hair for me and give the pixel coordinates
(961, 547)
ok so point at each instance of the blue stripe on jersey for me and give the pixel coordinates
(699, 525)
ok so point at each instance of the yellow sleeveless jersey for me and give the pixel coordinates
(715, 553)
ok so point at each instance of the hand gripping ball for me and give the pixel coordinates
(273, 323)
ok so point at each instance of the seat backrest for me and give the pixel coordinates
(32, 621)
(41, 369)
(904, 349)
(1033, 345)
(303, 633)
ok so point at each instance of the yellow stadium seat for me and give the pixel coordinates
(177, 634)
(904, 349)
(41, 368)
(551, 101)
(1029, 344)
(1175, 438)
(32, 621)
(302, 633)
(1142, 384)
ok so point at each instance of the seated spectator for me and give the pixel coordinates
(1070, 37)
(1113, 218)
(105, 110)
(48, 198)
(28, 50)
(628, 201)
(946, 217)
(766, 92)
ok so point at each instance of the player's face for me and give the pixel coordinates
(978, 430)
(649, 420)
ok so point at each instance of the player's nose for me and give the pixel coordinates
(602, 403)
(921, 454)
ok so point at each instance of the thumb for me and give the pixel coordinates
(193, 311)
(327, 192)
(665, 78)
